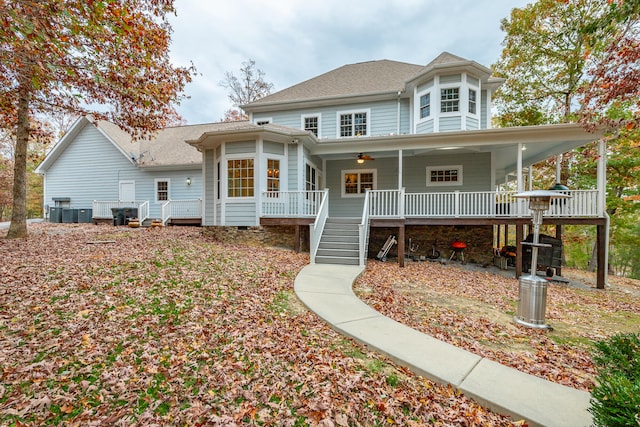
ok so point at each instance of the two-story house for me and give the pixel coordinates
(347, 158)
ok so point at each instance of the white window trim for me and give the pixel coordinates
(282, 178)
(460, 88)
(240, 156)
(419, 106)
(447, 183)
(367, 111)
(477, 101)
(155, 188)
(264, 120)
(357, 171)
(318, 116)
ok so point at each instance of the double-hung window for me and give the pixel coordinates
(240, 178)
(449, 100)
(356, 182)
(162, 190)
(312, 124)
(273, 175)
(354, 124)
(472, 101)
(425, 105)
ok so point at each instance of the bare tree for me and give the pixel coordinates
(248, 87)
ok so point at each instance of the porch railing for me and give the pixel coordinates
(459, 204)
(183, 209)
(363, 230)
(292, 204)
(316, 229)
(102, 209)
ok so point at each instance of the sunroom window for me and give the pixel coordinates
(273, 175)
(240, 178)
(472, 101)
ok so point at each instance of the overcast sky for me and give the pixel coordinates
(295, 40)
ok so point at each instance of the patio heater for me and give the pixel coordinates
(532, 294)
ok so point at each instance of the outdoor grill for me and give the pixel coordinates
(457, 250)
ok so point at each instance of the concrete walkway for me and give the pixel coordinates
(327, 290)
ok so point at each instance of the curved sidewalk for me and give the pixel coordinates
(326, 289)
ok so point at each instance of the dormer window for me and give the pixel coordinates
(449, 100)
(425, 105)
(472, 101)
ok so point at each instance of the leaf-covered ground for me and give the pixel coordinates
(114, 326)
(474, 309)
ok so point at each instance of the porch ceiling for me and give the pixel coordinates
(539, 143)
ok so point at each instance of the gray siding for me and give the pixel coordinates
(240, 213)
(405, 116)
(245, 147)
(292, 165)
(450, 123)
(484, 106)
(210, 185)
(472, 123)
(425, 127)
(271, 147)
(451, 78)
(91, 167)
(476, 175)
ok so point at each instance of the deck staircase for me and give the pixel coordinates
(339, 242)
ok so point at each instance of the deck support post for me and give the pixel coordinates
(519, 239)
(401, 245)
(601, 244)
(559, 237)
(298, 234)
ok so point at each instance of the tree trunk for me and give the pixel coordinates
(18, 228)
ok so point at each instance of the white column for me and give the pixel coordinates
(399, 169)
(519, 169)
(558, 168)
(602, 177)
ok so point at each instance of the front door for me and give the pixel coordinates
(127, 191)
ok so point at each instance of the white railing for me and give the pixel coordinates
(102, 209)
(458, 204)
(316, 229)
(292, 204)
(182, 209)
(363, 230)
(143, 211)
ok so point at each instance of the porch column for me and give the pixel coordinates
(603, 235)
(399, 169)
(559, 237)
(559, 168)
(520, 178)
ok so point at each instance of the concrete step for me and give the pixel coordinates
(337, 260)
(339, 238)
(344, 253)
(339, 245)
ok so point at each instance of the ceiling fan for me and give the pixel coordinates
(362, 157)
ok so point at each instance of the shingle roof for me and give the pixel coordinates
(166, 147)
(353, 79)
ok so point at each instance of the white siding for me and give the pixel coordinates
(240, 214)
(450, 123)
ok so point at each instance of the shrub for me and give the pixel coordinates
(615, 400)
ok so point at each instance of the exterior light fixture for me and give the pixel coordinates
(532, 294)
(188, 181)
(362, 157)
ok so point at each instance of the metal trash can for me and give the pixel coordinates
(55, 214)
(69, 215)
(532, 303)
(118, 216)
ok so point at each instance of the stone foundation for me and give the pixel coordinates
(479, 240)
(283, 236)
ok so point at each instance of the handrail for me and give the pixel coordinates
(101, 209)
(165, 212)
(487, 204)
(363, 230)
(291, 204)
(143, 211)
(316, 229)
